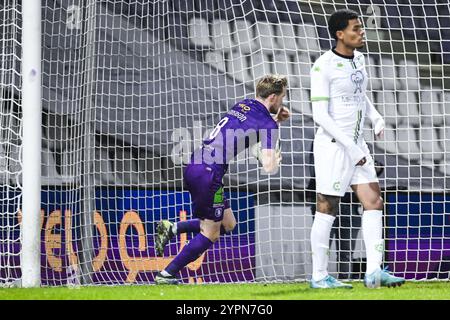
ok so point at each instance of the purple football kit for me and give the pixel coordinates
(245, 124)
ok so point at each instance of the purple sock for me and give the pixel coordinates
(190, 252)
(192, 225)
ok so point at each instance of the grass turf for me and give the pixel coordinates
(292, 291)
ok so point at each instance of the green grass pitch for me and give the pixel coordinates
(291, 291)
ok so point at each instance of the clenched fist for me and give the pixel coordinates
(282, 114)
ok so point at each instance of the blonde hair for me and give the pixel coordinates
(270, 84)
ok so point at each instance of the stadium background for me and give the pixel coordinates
(120, 77)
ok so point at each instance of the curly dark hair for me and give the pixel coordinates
(339, 21)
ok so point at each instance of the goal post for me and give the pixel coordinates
(31, 143)
(128, 89)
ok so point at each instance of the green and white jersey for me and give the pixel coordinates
(342, 81)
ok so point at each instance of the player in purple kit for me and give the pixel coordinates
(249, 122)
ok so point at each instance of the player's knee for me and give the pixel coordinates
(212, 235)
(379, 203)
(229, 225)
(232, 226)
(229, 221)
(328, 204)
(210, 229)
(375, 204)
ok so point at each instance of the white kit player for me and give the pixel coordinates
(341, 156)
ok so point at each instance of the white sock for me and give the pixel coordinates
(320, 244)
(372, 229)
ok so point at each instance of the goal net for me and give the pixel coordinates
(10, 141)
(130, 88)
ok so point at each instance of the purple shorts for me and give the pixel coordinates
(205, 186)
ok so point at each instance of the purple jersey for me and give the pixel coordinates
(245, 124)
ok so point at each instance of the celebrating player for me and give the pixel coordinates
(203, 175)
(341, 156)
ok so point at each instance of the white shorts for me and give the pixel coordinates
(333, 168)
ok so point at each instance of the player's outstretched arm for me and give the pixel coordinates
(323, 119)
(375, 117)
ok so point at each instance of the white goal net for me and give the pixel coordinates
(130, 87)
(10, 141)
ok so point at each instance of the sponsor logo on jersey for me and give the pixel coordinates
(244, 107)
(337, 186)
(357, 79)
(356, 99)
(358, 60)
(379, 247)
